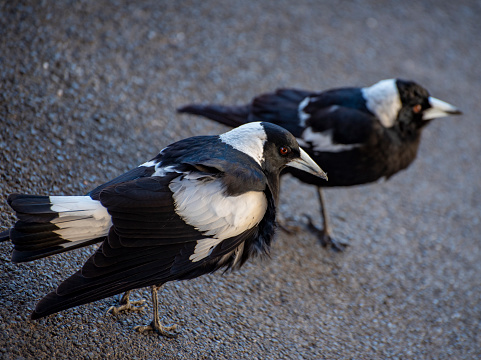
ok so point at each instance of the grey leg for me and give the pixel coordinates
(169, 331)
(325, 235)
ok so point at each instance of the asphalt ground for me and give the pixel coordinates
(88, 90)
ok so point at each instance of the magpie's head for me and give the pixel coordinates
(272, 147)
(404, 104)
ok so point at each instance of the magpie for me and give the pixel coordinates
(203, 203)
(359, 135)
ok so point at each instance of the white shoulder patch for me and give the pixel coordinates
(322, 141)
(164, 170)
(248, 138)
(383, 100)
(303, 116)
(159, 169)
(148, 163)
(203, 205)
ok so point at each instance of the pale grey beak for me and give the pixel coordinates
(439, 109)
(305, 163)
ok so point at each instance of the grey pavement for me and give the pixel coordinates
(88, 90)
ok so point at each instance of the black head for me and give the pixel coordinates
(272, 147)
(418, 107)
(404, 105)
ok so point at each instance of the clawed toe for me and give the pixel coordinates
(170, 331)
(328, 241)
(138, 305)
(325, 237)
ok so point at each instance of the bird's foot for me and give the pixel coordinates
(289, 229)
(289, 226)
(325, 237)
(137, 305)
(170, 331)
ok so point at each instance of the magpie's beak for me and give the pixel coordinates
(439, 109)
(305, 163)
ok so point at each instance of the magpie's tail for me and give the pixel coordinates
(280, 108)
(232, 116)
(5, 236)
(49, 225)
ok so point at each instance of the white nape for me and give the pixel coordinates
(383, 100)
(205, 206)
(249, 139)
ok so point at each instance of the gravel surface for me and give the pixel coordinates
(88, 90)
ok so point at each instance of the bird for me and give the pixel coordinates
(358, 134)
(202, 204)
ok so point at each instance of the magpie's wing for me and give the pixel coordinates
(138, 172)
(280, 108)
(164, 228)
(329, 128)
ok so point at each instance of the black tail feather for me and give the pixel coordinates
(232, 116)
(50, 225)
(5, 235)
(280, 108)
(19, 256)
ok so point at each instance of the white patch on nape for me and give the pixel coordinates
(204, 205)
(80, 218)
(249, 139)
(322, 141)
(383, 100)
(303, 116)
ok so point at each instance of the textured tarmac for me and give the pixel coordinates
(88, 90)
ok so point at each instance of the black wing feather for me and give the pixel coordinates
(346, 125)
(127, 260)
(139, 172)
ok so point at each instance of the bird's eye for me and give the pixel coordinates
(417, 108)
(284, 150)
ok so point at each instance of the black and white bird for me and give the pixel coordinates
(359, 135)
(201, 204)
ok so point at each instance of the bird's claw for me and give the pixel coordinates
(288, 228)
(327, 241)
(129, 306)
(170, 331)
(325, 237)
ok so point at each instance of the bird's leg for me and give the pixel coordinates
(126, 305)
(169, 331)
(325, 235)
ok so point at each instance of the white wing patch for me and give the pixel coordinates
(80, 217)
(162, 171)
(383, 100)
(249, 139)
(322, 141)
(303, 116)
(159, 169)
(149, 163)
(204, 205)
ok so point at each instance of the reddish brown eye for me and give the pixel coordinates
(417, 108)
(284, 150)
